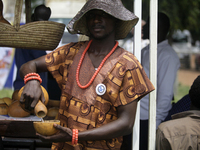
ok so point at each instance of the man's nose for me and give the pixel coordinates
(97, 18)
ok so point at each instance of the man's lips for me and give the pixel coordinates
(98, 28)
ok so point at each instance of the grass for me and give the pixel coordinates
(182, 90)
(6, 93)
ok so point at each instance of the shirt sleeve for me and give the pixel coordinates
(131, 79)
(56, 63)
(166, 77)
(161, 142)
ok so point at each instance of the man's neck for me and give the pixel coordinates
(101, 47)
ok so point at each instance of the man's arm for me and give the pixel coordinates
(122, 126)
(167, 72)
(36, 65)
(32, 91)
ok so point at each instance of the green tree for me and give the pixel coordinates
(183, 14)
(35, 3)
(128, 4)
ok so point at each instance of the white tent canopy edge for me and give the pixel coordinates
(153, 72)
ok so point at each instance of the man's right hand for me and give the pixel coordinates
(31, 94)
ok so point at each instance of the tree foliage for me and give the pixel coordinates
(35, 3)
(183, 14)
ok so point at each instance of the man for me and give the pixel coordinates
(183, 131)
(101, 83)
(167, 66)
(41, 13)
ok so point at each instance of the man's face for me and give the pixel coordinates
(100, 24)
(41, 15)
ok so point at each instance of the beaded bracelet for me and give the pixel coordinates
(32, 78)
(74, 136)
(31, 74)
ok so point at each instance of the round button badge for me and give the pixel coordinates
(100, 89)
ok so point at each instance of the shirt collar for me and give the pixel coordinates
(161, 44)
(186, 114)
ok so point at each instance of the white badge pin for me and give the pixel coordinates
(100, 89)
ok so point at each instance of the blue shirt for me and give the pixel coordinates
(22, 56)
(167, 67)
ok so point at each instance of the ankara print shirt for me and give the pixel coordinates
(83, 109)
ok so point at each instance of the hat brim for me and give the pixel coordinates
(127, 20)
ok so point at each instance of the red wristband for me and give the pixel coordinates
(32, 78)
(74, 136)
(31, 74)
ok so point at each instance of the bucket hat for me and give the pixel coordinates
(115, 8)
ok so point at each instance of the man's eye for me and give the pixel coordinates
(90, 15)
(104, 15)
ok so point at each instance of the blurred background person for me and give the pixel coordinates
(41, 13)
(167, 67)
(128, 43)
(183, 131)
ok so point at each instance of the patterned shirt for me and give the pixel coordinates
(83, 109)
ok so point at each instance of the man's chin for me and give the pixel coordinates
(101, 36)
(98, 37)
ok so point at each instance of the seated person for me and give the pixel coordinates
(183, 131)
(182, 105)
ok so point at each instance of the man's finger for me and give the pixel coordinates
(42, 98)
(51, 138)
(58, 127)
(33, 104)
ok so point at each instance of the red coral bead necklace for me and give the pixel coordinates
(98, 69)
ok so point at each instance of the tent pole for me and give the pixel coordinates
(153, 74)
(137, 5)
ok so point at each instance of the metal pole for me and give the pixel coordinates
(137, 51)
(153, 73)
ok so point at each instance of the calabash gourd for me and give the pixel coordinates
(15, 110)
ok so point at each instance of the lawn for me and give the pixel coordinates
(182, 90)
(6, 93)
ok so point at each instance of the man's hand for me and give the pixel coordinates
(31, 94)
(64, 134)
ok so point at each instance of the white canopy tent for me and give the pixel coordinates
(153, 72)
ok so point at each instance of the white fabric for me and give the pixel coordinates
(128, 45)
(167, 66)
